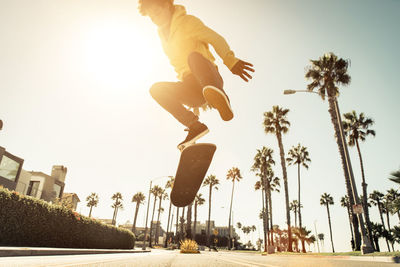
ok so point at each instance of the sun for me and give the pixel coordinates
(117, 54)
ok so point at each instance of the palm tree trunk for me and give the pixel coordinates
(209, 216)
(169, 216)
(330, 227)
(351, 229)
(295, 217)
(267, 210)
(90, 212)
(283, 164)
(177, 225)
(134, 220)
(158, 222)
(334, 119)
(189, 222)
(152, 218)
(113, 218)
(365, 194)
(383, 223)
(270, 215)
(182, 232)
(298, 180)
(264, 219)
(195, 220)
(230, 216)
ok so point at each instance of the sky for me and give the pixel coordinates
(74, 91)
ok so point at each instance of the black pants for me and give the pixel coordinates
(172, 96)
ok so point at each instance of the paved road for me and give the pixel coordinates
(161, 258)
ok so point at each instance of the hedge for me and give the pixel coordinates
(27, 221)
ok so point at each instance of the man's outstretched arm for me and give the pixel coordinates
(238, 67)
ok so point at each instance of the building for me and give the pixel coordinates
(10, 169)
(71, 198)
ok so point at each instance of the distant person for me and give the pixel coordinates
(185, 40)
(1, 125)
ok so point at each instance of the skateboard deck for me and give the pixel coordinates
(192, 169)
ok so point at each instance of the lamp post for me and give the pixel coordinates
(366, 246)
(316, 234)
(148, 206)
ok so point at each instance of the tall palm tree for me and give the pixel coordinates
(169, 185)
(162, 196)
(198, 201)
(326, 200)
(300, 156)
(326, 74)
(92, 201)
(275, 122)
(139, 199)
(262, 165)
(356, 127)
(210, 181)
(376, 199)
(233, 175)
(395, 176)
(344, 202)
(156, 191)
(117, 197)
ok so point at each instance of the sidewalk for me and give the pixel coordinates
(391, 259)
(40, 251)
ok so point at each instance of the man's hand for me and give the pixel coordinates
(242, 69)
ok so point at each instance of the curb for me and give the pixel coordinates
(33, 251)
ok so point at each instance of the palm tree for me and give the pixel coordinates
(326, 74)
(262, 164)
(189, 222)
(300, 156)
(294, 206)
(321, 238)
(139, 199)
(92, 201)
(210, 181)
(169, 184)
(117, 197)
(198, 201)
(357, 128)
(376, 199)
(377, 232)
(162, 196)
(275, 122)
(395, 176)
(326, 200)
(156, 191)
(302, 234)
(344, 202)
(233, 175)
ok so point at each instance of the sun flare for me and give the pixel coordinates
(117, 54)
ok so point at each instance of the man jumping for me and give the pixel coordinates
(185, 40)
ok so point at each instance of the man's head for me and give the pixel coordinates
(160, 11)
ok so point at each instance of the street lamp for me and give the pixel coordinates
(366, 244)
(148, 206)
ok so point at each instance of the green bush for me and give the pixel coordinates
(27, 221)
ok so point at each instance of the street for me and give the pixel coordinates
(174, 258)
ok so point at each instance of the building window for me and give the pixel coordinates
(9, 168)
(33, 188)
(57, 190)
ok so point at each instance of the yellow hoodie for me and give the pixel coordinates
(188, 34)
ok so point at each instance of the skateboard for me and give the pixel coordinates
(193, 165)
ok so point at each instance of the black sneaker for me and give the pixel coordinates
(196, 131)
(218, 100)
